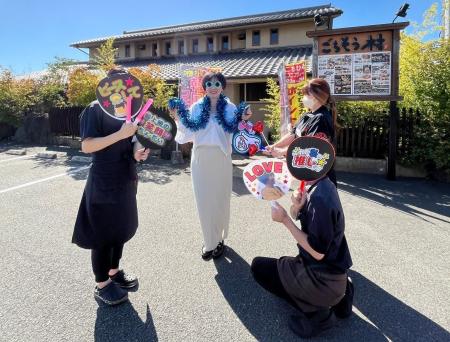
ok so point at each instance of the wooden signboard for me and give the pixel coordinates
(359, 63)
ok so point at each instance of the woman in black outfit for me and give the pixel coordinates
(315, 281)
(320, 121)
(107, 217)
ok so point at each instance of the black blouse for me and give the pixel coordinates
(319, 124)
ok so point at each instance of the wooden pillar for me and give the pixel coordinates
(392, 153)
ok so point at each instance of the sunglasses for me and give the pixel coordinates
(210, 84)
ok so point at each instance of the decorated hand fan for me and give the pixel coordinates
(247, 140)
(244, 137)
(112, 93)
(156, 130)
(309, 158)
(267, 179)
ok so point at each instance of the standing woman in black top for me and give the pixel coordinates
(320, 121)
(107, 217)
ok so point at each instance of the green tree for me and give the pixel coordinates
(273, 108)
(82, 83)
(52, 86)
(17, 96)
(154, 86)
(105, 56)
(425, 85)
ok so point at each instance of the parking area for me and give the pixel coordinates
(398, 232)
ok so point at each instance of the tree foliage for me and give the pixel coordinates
(154, 86)
(105, 56)
(425, 85)
(82, 83)
(17, 96)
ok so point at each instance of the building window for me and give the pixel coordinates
(225, 43)
(127, 50)
(181, 47)
(168, 48)
(253, 91)
(256, 38)
(273, 36)
(142, 46)
(241, 92)
(241, 36)
(209, 44)
(154, 50)
(194, 45)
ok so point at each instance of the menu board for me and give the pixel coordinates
(367, 73)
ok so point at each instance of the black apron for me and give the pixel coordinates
(108, 212)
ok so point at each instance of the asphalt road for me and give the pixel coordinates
(398, 232)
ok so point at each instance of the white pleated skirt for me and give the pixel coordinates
(212, 179)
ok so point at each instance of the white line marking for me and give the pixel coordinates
(67, 173)
(22, 157)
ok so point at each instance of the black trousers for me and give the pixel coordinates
(104, 259)
(265, 272)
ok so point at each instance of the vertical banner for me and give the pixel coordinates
(295, 75)
(190, 89)
(290, 77)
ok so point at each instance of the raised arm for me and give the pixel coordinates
(90, 145)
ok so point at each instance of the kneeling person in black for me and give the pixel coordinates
(315, 281)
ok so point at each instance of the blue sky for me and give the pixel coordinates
(33, 32)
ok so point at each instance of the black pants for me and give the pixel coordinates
(104, 259)
(265, 272)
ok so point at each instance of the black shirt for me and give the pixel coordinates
(322, 219)
(320, 124)
(94, 123)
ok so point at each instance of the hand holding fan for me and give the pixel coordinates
(267, 179)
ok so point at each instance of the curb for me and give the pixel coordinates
(46, 155)
(17, 152)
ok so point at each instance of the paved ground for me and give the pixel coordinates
(399, 235)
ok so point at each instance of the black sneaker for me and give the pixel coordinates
(306, 327)
(218, 251)
(207, 255)
(111, 294)
(124, 280)
(343, 309)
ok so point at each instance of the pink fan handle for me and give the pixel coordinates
(128, 108)
(143, 111)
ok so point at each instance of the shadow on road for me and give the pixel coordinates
(404, 194)
(265, 316)
(122, 323)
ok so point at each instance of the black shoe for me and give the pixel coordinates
(124, 280)
(343, 309)
(111, 294)
(307, 327)
(207, 255)
(218, 251)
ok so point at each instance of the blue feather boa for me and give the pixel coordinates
(200, 122)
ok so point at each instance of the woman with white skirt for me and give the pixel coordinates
(209, 124)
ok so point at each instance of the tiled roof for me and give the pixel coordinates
(261, 63)
(295, 14)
